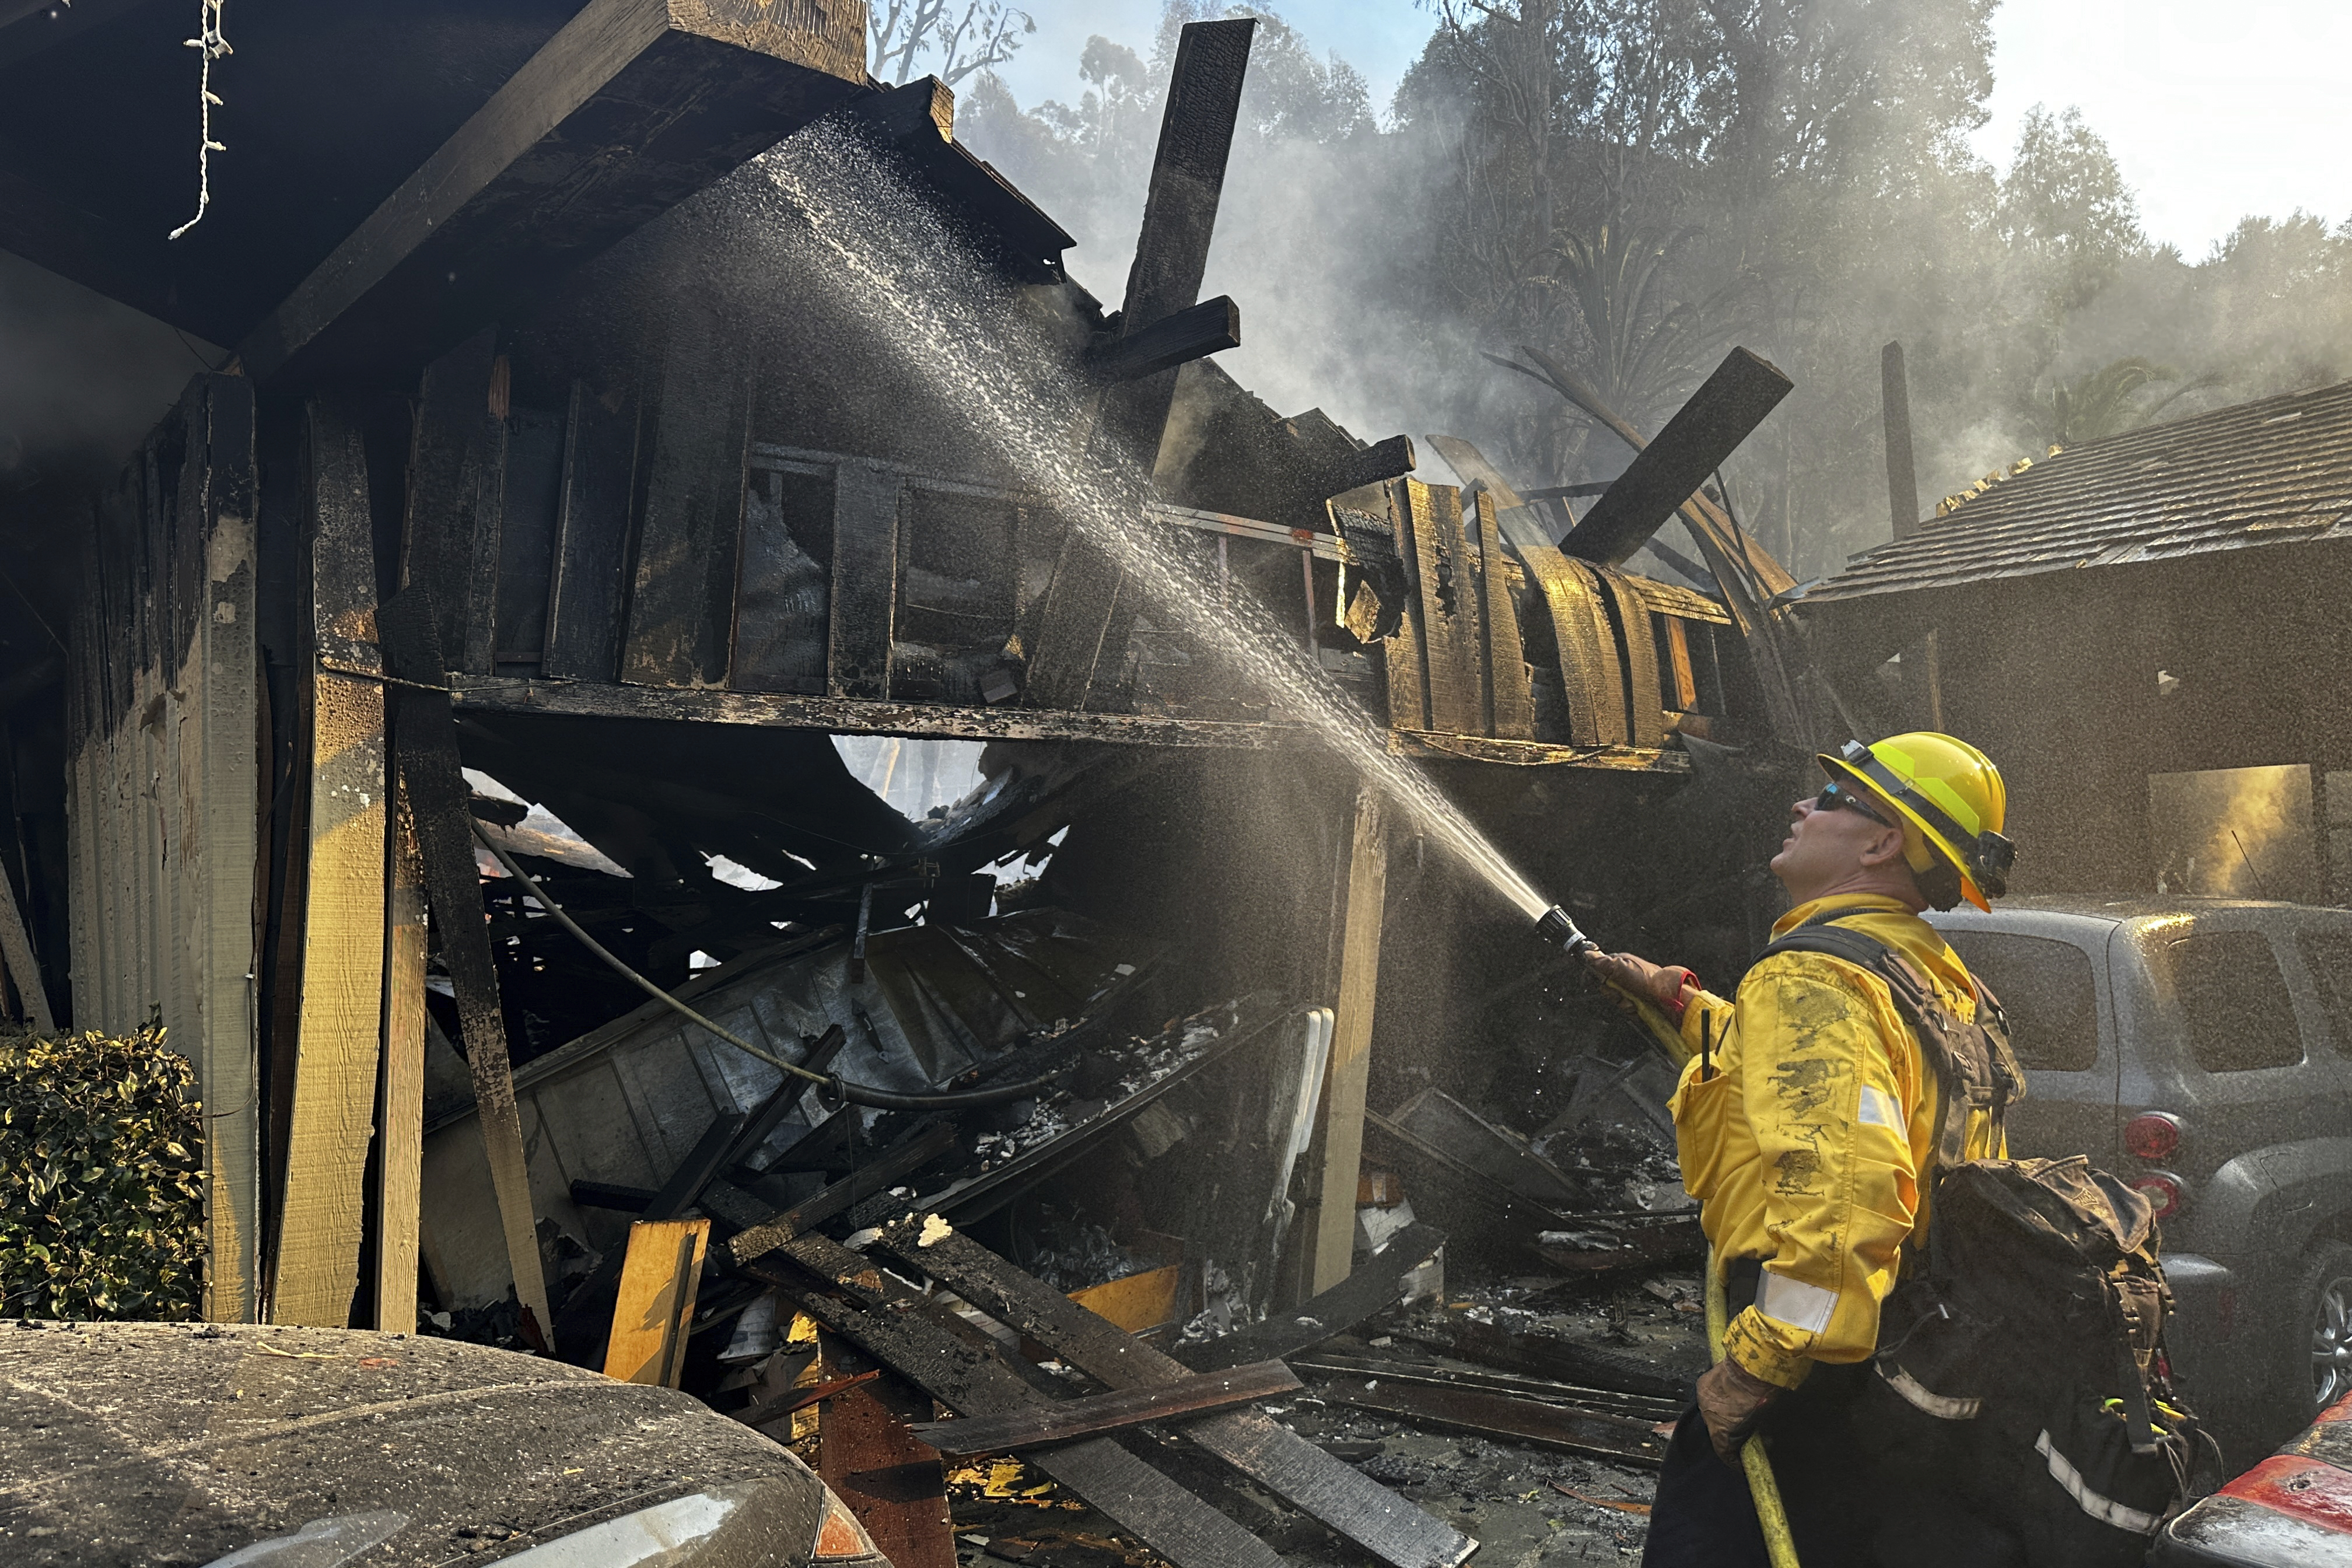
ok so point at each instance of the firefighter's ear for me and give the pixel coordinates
(1884, 849)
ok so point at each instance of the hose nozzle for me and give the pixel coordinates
(1555, 926)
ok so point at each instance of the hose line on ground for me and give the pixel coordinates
(856, 1093)
(1780, 1544)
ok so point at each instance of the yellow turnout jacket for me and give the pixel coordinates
(1807, 1147)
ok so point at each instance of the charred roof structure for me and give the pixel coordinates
(2083, 616)
(631, 398)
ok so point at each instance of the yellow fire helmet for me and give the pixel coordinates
(1951, 800)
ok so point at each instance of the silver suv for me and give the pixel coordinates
(2202, 1049)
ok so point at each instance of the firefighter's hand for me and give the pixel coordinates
(1730, 1398)
(1661, 984)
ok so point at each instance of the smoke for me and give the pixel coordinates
(82, 379)
(1811, 196)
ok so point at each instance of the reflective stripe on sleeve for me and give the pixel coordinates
(1795, 1303)
(1878, 1108)
(2106, 1510)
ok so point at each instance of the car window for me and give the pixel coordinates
(2232, 1000)
(2328, 956)
(2044, 988)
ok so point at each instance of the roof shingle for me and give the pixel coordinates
(2274, 471)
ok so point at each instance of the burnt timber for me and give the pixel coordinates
(639, 551)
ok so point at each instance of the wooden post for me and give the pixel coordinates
(1342, 1139)
(340, 1018)
(228, 690)
(430, 771)
(400, 1136)
(655, 1307)
(1902, 477)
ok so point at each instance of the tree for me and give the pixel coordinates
(904, 33)
(2065, 207)
(2107, 400)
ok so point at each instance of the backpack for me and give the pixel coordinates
(2019, 1366)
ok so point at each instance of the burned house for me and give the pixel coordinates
(2085, 617)
(619, 414)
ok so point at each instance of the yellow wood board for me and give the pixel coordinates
(656, 1305)
(400, 1137)
(1137, 1303)
(341, 1014)
(1352, 1042)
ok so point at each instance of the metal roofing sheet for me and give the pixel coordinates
(2275, 471)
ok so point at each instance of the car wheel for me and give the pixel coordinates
(2326, 1325)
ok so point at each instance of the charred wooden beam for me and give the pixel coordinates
(1668, 471)
(457, 483)
(1084, 1417)
(585, 594)
(1194, 333)
(634, 106)
(854, 717)
(681, 620)
(1188, 180)
(1370, 1290)
(893, 1165)
(1083, 624)
(1503, 1417)
(425, 737)
(915, 121)
(1382, 461)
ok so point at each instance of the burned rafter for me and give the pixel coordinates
(1669, 470)
(916, 123)
(631, 107)
(1194, 333)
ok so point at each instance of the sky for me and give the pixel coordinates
(2213, 111)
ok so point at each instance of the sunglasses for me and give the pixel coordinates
(1835, 796)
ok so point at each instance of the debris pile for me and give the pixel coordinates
(1079, 1317)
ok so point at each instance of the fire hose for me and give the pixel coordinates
(1763, 1486)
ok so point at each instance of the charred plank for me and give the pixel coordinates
(1370, 1290)
(1098, 1413)
(1668, 471)
(1194, 333)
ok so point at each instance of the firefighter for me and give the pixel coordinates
(1805, 1123)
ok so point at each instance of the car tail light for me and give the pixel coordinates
(2163, 1189)
(2152, 1135)
(840, 1535)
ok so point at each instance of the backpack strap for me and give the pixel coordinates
(1973, 1067)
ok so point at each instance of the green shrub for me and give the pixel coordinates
(102, 1179)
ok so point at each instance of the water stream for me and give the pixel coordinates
(934, 306)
